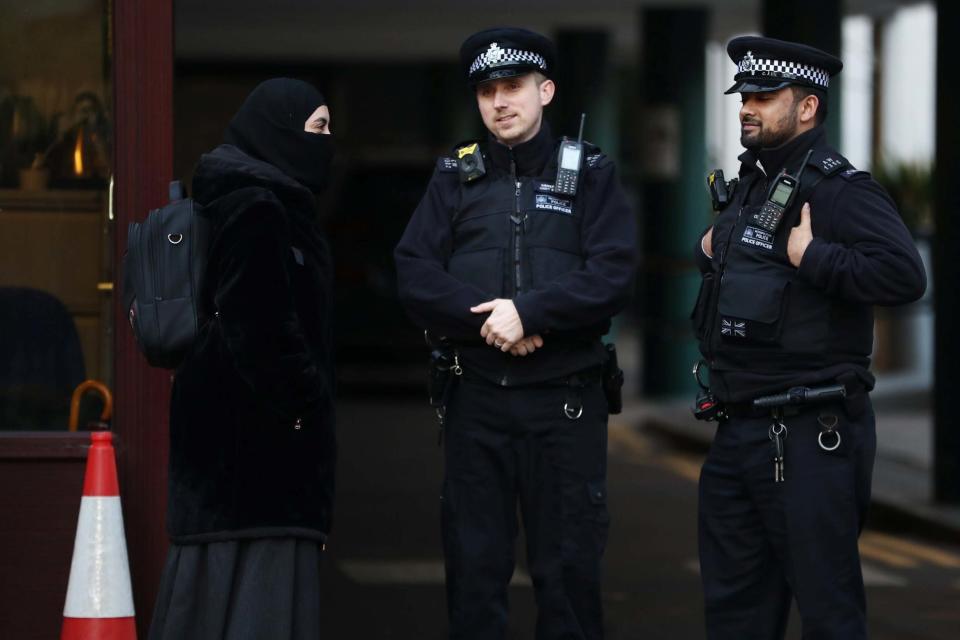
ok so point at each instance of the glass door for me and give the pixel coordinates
(56, 222)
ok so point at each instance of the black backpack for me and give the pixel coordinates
(163, 268)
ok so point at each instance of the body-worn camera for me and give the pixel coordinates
(721, 191)
(470, 163)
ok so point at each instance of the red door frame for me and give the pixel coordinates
(143, 167)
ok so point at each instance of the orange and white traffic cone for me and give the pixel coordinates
(99, 598)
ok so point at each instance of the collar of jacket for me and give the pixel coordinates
(788, 155)
(227, 168)
(531, 157)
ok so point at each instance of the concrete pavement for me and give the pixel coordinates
(384, 577)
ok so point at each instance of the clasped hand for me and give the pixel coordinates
(504, 330)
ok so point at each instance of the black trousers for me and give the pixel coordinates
(510, 446)
(763, 542)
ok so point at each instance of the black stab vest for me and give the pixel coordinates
(512, 234)
(753, 310)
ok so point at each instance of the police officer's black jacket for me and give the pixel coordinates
(241, 465)
(566, 262)
(765, 325)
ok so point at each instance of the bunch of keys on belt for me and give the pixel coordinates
(778, 434)
(795, 396)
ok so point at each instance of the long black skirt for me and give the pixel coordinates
(261, 589)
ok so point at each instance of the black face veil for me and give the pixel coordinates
(269, 126)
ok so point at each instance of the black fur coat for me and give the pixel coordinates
(252, 446)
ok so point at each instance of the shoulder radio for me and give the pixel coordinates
(780, 197)
(569, 162)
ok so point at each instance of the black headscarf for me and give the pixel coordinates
(269, 127)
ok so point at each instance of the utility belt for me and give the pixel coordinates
(791, 403)
(749, 410)
(582, 378)
(446, 370)
(847, 390)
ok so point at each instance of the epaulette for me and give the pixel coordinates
(594, 157)
(593, 161)
(828, 162)
(851, 175)
(447, 164)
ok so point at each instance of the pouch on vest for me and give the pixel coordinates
(751, 308)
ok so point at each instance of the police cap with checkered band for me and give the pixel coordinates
(506, 52)
(767, 64)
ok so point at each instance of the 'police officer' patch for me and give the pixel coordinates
(757, 238)
(553, 203)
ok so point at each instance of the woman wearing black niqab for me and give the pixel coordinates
(252, 442)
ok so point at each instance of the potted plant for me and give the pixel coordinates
(910, 185)
(24, 138)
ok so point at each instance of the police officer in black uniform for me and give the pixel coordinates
(792, 268)
(519, 273)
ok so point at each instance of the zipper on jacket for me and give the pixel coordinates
(517, 220)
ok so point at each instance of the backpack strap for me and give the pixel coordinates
(177, 191)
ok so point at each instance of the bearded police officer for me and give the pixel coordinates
(519, 268)
(802, 249)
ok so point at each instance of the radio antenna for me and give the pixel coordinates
(583, 117)
(804, 165)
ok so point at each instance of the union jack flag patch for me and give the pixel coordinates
(733, 328)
